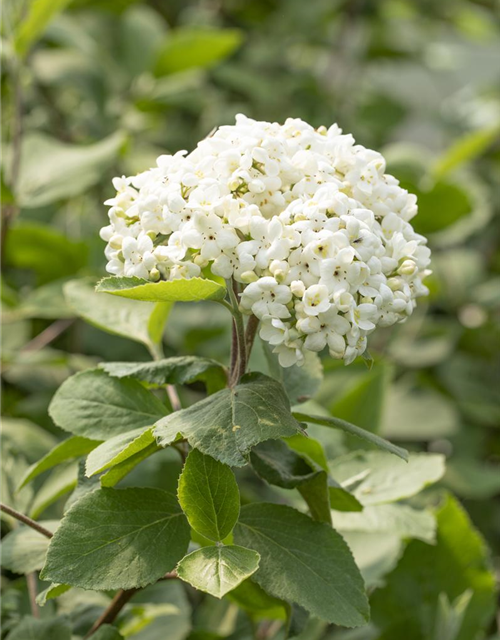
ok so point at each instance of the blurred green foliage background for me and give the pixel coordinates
(97, 88)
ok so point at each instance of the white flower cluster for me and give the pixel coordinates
(305, 219)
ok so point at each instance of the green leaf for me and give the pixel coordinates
(316, 494)
(277, 464)
(61, 481)
(465, 149)
(229, 423)
(51, 592)
(47, 629)
(24, 549)
(361, 403)
(178, 370)
(127, 318)
(342, 500)
(72, 168)
(118, 450)
(38, 16)
(400, 519)
(218, 570)
(304, 562)
(93, 405)
(127, 538)
(310, 448)
(120, 470)
(377, 477)
(142, 32)
(73, 447)
(44, 250)
(300, 383)
(181, 290)
(330, 421)
(209, 496)
(196, 47)
(458, 562)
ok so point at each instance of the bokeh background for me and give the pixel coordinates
(97, 88)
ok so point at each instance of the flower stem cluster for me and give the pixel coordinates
(306, 220)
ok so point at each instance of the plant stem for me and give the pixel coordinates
(26, 520)
(251, 331)
(111, 612)
(238, 364)
(31, 582)
(120, 599)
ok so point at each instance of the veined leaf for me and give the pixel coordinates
(92, 404)
(118, 450)
(127, 538)
(229, 423)
(304, 562)
(178, 370)
(218, 570)
(51, 592)
(209, 496)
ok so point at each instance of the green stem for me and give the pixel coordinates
(240, 362)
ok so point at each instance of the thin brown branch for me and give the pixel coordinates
(48, 335)
(110, 614)
(173, 396)
(120, 599)
(31, 582)
(251, 331)
(26, 520)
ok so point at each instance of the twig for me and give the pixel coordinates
(251, 330)
(120, 599)
(26, 520)
(31, 582)
(49, 334)
(111, 612)
(173, 396)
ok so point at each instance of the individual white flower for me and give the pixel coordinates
(266, 298)
(138, 254)
(316, 299)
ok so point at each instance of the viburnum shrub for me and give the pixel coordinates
(306, 241)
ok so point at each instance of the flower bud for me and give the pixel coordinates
(115, 241)
(249, 276)
(408, 268)
(298, 288)
(201, 262)
(154, 274)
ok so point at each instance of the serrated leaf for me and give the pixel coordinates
(24, 549)
(229, 423)
(196, 47)
(304, 562)
(51, 592)
(72, 447)
(459, 561)
(181, 290)
(177, 370)
(127, 538)
(277, 464)
(45, 629)
(209, 496)
(218, 570)
(127, 318)
(337, 423)
(93, 405)
(377, 477)
(118, 450)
